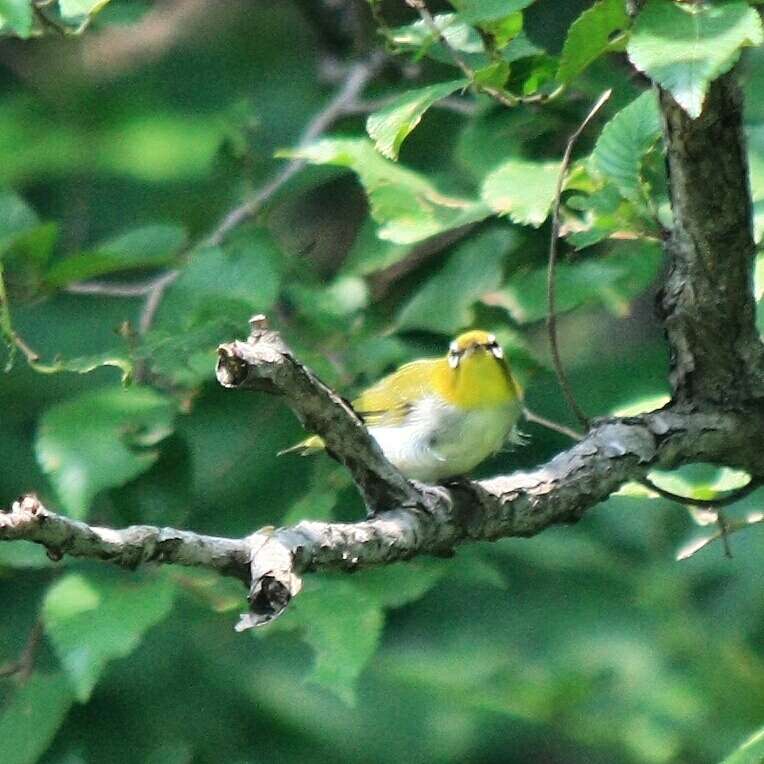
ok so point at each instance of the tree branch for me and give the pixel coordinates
(522, 504)
(707, 302)
(265, 363)
(28, 520)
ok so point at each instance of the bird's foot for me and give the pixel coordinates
(434, 497)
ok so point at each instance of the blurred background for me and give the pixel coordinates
(121, 151)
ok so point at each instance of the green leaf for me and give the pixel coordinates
(613, 282)
(390, 126)
(684, 47)
(474, 268)
(91, 621)
(231, 283)
(476, 11)
(17, 14)
(406, 205)
(100, 440)
(86, 364)
(30, 720)
(397, 585)
(16, 218)
(750, 752)
(523, 189)
(79, 9)
(623, 143)
(343, 624)
(147, 247)
(590, 36)
(494, 75)
(459, 35)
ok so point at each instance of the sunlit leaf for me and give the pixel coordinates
(623, 143)
(750, 752)
(642, 405)
(91, 621)
(683, 47)
(17, 15)
(590, 36)
(407, 207)
(459, 35)
(522, 189)
(77, 9)
(390, 126)
(476, 11)
(100, 440)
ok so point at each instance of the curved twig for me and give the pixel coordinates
(551, 289)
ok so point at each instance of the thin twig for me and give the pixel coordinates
(532, 416)
(551, 293)
(153, 299)
(23, 666)
(343, 102)
(720, 501)
(112, 289)
(501, 96)
(721, 521)
(498, 94)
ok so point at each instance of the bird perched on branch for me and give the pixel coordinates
(437, 418)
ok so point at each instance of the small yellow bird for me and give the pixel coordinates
(437, 418)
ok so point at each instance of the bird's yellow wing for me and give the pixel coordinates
(390, 400)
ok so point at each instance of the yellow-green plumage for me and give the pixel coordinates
(437, 418)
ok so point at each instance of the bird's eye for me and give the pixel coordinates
(495, 348)
(454, 356)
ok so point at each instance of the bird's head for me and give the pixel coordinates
(473, 345)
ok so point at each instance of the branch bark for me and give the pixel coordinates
(523, 504)
(707, 302)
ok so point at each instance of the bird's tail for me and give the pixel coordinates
(311, 445)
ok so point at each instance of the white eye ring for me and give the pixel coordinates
(491, 339)
(454, 347)
(453, 360)
(497, 352)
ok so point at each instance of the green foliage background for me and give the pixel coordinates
(586, 644)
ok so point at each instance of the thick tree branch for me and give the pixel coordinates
(522, 504)
(28, 520)
(707, 302)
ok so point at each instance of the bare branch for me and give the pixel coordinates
(265, 363)
(343, 102)
(522, 504)
(130, 547)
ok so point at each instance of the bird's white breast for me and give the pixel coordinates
(437, 440)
